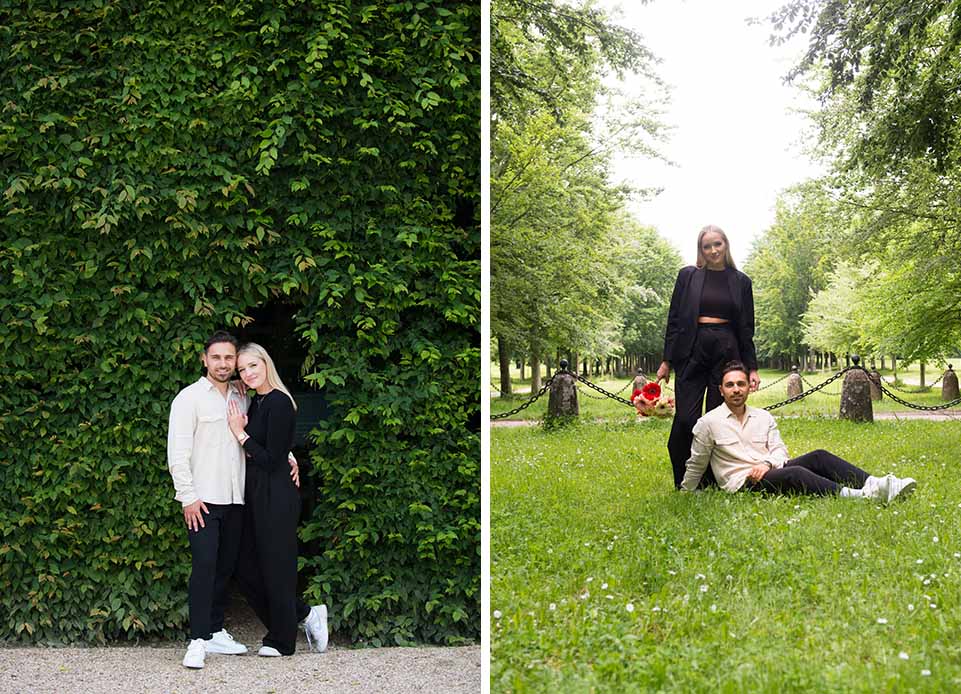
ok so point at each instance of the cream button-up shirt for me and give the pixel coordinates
(205, 459)
(732, 448)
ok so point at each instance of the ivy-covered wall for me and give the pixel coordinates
(168, 167)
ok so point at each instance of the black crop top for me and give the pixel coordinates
(716, 298)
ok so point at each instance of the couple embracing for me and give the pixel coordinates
(229, 457)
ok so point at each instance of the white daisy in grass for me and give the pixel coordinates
(934, 539)
(497, 614)
(925, 673)
(919, 561)
(585, 595)
(655, 609)
(910, 607)
(933, 606)
(703, 588)
(604, 586)
(699, 577)
(609, 596)
(590, 578)
(629, 607)
(903, 656)
(882, 620)
(552, 606)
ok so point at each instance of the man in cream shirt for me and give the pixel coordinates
(744, 449)
(207, 466)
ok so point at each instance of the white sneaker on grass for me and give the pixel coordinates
(223, 642)
(195, 654)
(900, 488)
(268, 652)
(315, 627)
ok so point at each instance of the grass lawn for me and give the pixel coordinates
(823, 403)
(604, 579)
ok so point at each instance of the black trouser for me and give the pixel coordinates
(213, 551)
(267, 568)
(818, 472)
(714, 346)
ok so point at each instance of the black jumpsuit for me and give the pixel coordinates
(267, 567)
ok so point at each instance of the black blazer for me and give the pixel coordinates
(685, 305)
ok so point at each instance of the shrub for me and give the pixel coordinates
(168, 168)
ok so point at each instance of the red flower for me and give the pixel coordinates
(651, 391)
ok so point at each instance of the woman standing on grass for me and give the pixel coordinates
(710, 322)
(267, 568)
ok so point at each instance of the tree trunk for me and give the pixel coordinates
(882, 362)
(535, 374)
(894, 367)
(922, 373)
(521, 366)
(504, 359)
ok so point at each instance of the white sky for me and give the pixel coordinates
(736, 142)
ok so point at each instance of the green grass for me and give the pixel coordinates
(730, 593)
(824, 403)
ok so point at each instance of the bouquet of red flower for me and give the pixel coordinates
(649, 401)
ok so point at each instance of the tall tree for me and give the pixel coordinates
(554, 283)
(889, 78)
(787, 264)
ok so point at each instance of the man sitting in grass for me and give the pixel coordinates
(744, 449)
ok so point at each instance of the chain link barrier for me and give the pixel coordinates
(813, 389)
(925, 389)
(773, 383)
(601, 390)
(923, 408)
(827, 392)
(531, 400)
(809, 391)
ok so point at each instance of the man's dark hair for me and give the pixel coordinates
(221, 336)
(733, 366)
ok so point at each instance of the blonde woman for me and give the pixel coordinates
(267, 568)
(710, 323)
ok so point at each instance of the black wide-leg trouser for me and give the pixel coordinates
(714, 346)
(267, 567)
(213, 552)
(819, 473)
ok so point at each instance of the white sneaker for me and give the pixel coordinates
(222, 642)
(900, 488)
(315, 627)
(877, 487)
(268, 652)
(195, 654)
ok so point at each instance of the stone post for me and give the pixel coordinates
(794, 383)
(875, 377)
(856, 394)
(949, 386)
(562, 403)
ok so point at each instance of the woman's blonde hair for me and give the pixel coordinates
(728, 258)
(273, 378)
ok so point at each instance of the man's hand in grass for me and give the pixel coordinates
(757, 472)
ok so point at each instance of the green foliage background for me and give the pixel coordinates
(168, 166)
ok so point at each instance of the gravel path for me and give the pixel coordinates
(157, 668)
